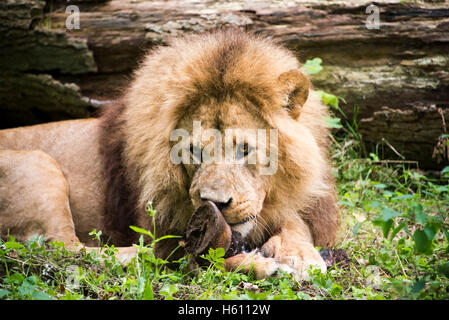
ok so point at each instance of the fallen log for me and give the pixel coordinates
(402, 65)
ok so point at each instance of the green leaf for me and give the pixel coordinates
(140, 230)
(4, 293)
(430, 232)
(26, 288)
(257, 295)
(36, 240)
(420, 215)
(17, 278)
(217, 254)
(328, 99)
(148, 291)
(312, 66)
(168, 291)
(404, 197)
(387, 194)
(374, 204)
(396, 230)
(333, 123)
(375, 158)
(96, 234)
(386, 226)
(166, 237)
(418, 286)
(422, 242)
(389, 214)
(39, 295)
(31, 280)
(13, 245)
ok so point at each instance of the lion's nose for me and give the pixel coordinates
(221, 201)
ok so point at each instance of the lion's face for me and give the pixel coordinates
(224, 164)
(236, 191)
(219, 82)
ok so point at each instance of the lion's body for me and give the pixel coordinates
(64, 142)
(114, 166)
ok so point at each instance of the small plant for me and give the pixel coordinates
(216, 258)
(148, 266)
(312, 66)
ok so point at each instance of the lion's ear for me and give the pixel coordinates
(295, 86)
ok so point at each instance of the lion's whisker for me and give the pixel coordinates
(260, 221)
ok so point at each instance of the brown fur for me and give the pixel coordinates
(121, 196)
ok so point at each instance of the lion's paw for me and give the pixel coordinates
(264, 267)
(253, 261)
(300, 268)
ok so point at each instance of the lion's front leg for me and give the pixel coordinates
(294, 252)
(290, 250)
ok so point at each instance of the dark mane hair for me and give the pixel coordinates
(121, 196)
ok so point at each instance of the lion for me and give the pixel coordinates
(64, 179)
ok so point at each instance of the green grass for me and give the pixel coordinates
(394, 229)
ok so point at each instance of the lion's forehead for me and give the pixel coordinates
(222, 117)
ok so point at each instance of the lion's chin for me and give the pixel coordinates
(244, 228)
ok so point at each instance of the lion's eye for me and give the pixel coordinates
(195, 153)
(243, 150)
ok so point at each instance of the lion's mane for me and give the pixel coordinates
(201, 69)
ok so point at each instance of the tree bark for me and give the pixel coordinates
(400, 69)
